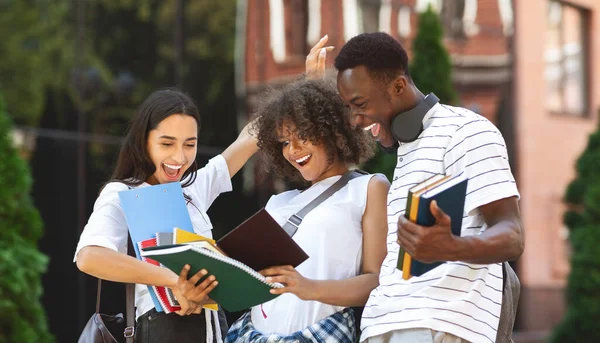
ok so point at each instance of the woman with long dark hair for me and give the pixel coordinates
(160, 147)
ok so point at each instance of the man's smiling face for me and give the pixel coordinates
(370, 103)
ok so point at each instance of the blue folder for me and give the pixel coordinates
(152, 209)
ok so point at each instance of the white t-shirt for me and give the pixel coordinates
(331, 235)
(463, 299)
(107, 227)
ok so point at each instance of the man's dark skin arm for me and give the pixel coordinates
(503, 240)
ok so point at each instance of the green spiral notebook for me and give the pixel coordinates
(240, 287)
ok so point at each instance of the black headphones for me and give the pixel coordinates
(407, 126)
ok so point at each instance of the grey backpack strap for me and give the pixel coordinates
(511, 291)
(291, 226)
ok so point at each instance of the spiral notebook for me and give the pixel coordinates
(161, 293)
(240, 287)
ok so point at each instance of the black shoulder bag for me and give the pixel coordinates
(103, 328)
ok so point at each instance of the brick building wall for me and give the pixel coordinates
(549, 143)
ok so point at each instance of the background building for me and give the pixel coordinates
(525, 65)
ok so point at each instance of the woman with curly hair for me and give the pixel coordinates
(305, 133)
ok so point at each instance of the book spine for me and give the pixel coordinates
(407, 264)
(401, 251)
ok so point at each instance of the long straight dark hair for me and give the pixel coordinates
(134, 165)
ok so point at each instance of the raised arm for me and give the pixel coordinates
(238, 153)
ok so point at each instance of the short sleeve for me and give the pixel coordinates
(477, 150)
(106, 226)
(211, 180)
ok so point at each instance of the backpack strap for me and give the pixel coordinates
(294, 221)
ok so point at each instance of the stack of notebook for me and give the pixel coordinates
(164, 295)
(153, 212)
(449, 193)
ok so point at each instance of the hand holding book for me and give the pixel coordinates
(191, 289)
(428, 244)
(428, 231)
(292, 280)
(186, 306)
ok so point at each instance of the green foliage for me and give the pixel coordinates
(430, 66)
(22, 318)
(383, 163)
(583, 220)
(430, 70)
(33, 51)
(37, 53)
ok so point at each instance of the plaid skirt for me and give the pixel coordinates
(337, 328)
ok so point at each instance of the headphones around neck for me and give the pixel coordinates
(407, 126)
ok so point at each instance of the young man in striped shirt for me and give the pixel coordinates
(460, 300)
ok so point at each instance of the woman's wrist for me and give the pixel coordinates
(170, 279)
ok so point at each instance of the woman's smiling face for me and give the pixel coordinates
(172, 148)
(311, 160)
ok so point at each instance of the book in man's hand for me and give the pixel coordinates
(240, 287)
(449, 192)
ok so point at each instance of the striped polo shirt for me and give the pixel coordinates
(463, 299)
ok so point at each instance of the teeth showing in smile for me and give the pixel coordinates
(369, 127)
(300, 160)
(171, 166)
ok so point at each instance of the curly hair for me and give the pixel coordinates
(318, 115)
(382, 55)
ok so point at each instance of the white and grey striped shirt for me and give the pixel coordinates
(458, 298)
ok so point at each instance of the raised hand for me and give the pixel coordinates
(315, 61)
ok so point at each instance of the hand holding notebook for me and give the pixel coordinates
(152, 212)
(434, 228)
(240, 287)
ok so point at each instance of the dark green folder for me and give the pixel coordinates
(240, 287)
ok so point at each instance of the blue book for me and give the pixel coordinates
(153, 209)
(450, 194)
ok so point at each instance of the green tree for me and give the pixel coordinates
(34, 49)
(430, 70)
(430, 66)
(583, 220)
(22, 318)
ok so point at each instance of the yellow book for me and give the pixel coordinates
(181, 236)
(417, 191)
(213, 307)
(413, 218)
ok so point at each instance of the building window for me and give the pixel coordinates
(566, 59)
(296, 27)
(458, 18)
(369, 15)
(452, 18)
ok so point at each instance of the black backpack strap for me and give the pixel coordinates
(130, 297)
(130, 300)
